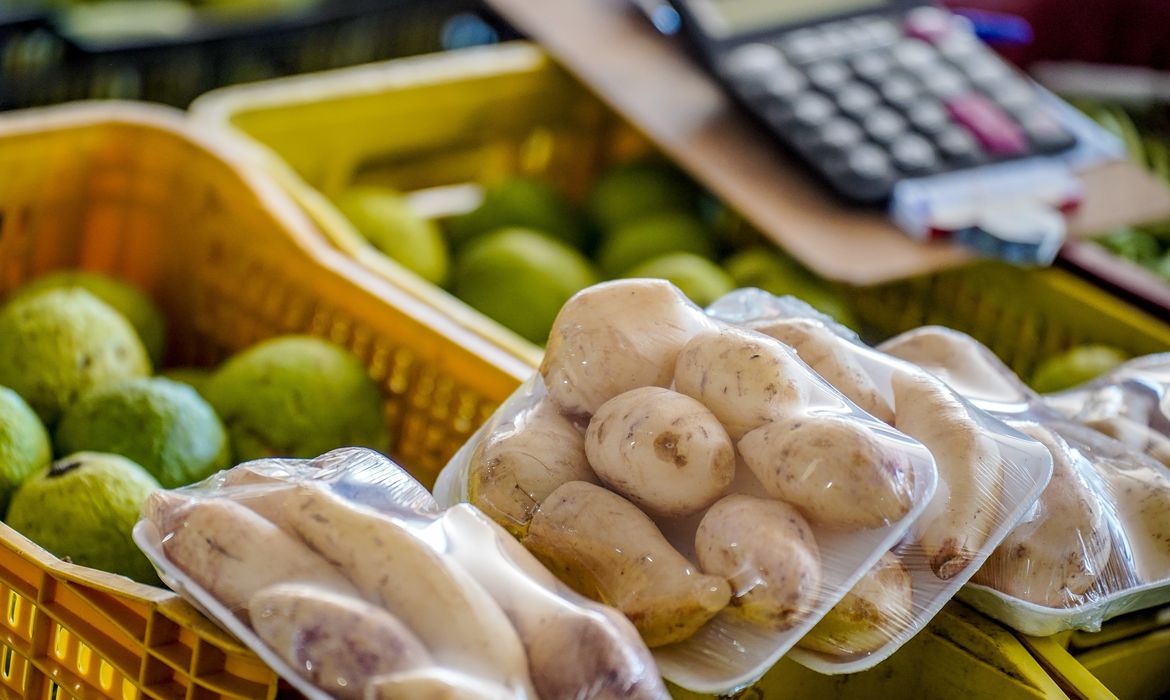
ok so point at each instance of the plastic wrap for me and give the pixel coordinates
(1130, 404)
(990, 475)
(1094, 547)
(346, 578)
(695, 475)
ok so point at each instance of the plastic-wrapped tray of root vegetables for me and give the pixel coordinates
(701, 478)
(346, 578)
(1097, 544)
(990, 475)
(1130, 404)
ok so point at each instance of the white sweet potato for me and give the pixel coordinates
(746, 378)
(835, 471)
(616, 336)
(662, 450)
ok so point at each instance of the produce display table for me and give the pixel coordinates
(224, 217)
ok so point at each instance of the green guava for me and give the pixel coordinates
(83, 508)
(1076, 366)
(165, 426)
(24, 443)
(650, 237)
(521, 279)
(57, 345)
(383, 217)
(297, 396)
(768, 270)
(522, 202)
(700, 279)
(195, 377)
(779, 274)
(135, 306)
(631, 190)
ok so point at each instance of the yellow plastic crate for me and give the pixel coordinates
(136, 193)
(436, 123)
(1024, 316)
(1126, 660)
(960, 654)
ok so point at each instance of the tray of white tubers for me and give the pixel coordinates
(989, 474)
(697, 476)
(1130, 404)
(1095, 545)
(346, 578)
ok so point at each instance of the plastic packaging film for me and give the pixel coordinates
(696, 475)
(1130, 404)
(990, 475)
(345, 577)
(1096, 545)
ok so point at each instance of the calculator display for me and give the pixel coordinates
(724, 18)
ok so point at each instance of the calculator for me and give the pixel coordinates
(871, 92)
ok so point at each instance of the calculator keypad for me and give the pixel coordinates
(871, 100)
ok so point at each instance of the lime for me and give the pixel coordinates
(125, 298)
(651, 236)
(635, 189)
(195, 377)
(24, 443)
(779, 274)
(84, 508)
(165, 426)
(57, 345)
(384, 219)
(522, 202)
(521, 279)
(297, 396)
(1075, 366)
(699, 278)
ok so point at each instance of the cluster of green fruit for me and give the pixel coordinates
(76, 357)
(527, 248)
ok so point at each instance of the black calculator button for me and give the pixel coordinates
(877, 31)
(839, 135)
(801, 45)
(751, 61)
(986, 71)
(782, 84)
(835, 138)
(828, 75)
(856, 99)
(865, 172)
(928, 117)
(835, 39)
(914, 55)
(899, 91)
(858, 35)
(944, 82)
(884, 125)
(808, 110)
(1013, 94)
(913, 154)
(958, 147)
(872, 66)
